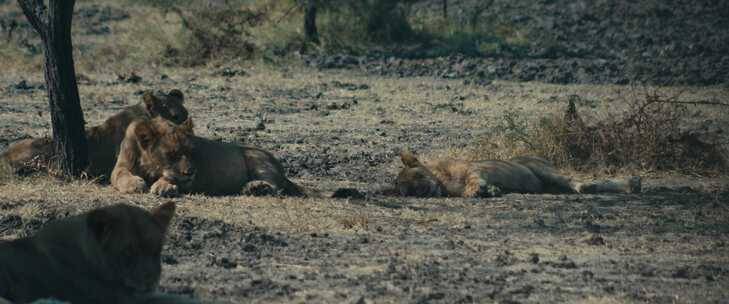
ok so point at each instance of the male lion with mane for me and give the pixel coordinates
(107, 255)
(523, 174)
(172, 159)
(103, 141)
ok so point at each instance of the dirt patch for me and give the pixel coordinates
(526, 249)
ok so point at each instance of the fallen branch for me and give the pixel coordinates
(697, 102)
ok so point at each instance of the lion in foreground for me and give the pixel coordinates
(103, 141)
(524, 174)
(107, 255)
(172, 159)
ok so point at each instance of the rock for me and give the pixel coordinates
(131, 78)
(229, 72)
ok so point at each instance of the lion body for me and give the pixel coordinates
(225, 168)
(523, 174)
(107, 255)
(103, 141)
(200, 166)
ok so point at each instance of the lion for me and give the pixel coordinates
(107, 255)
(30, 155)
(523, 174)
(173, 160)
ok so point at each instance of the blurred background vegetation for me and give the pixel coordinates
(192, 33)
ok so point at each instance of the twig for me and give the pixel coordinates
(696, 102)
(288, 12)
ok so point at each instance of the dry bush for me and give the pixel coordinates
(215, 32)
(655, 132)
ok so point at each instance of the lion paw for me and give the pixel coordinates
(163, 188)
(135, 184)
(259, 188)
(481, 188)
(490, 191)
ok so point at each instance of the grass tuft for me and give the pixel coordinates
(655, 132)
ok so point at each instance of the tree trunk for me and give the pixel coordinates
(445, 9)
(67, 120)
(310, 22)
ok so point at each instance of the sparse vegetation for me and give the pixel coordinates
(336, 113)
(355, 221)
(6, 173)
(654, 132)
(220, 33)
(197, 33)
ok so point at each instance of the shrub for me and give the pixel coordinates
(653, 133)
(214, 32)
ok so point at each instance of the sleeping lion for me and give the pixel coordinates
(523, 174)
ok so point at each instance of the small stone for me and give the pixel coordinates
(249, 248)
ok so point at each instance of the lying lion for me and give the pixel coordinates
(107, 255)
(525, 174)
(103, 141)
(172, 159)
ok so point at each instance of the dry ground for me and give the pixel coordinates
(341, 129)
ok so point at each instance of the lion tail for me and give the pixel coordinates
(292, 189)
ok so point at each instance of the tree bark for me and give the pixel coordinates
(312, 34)
(53, 24)
(445, 9)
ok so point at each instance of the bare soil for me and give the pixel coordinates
(335, 129)
(570, 41)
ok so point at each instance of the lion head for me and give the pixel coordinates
(127, 242)
(168, 106)
(415, 179)
(164, 150)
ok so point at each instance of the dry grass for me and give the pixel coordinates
(654, 131)
(6, 173)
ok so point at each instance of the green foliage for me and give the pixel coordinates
(386, 21)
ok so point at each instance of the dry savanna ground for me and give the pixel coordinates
(341, 128)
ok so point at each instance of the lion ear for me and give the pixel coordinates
(177, 94)
(145, 134)
(163, 214)
(100, 223)
(409, 159)
(150, 103)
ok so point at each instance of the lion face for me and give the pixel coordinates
(166, 150)
(415, 179)
(130, 241)
(168, 106)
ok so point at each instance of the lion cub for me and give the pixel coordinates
(103, 141)
(524, 174)
(107, 255)
(172, 159)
